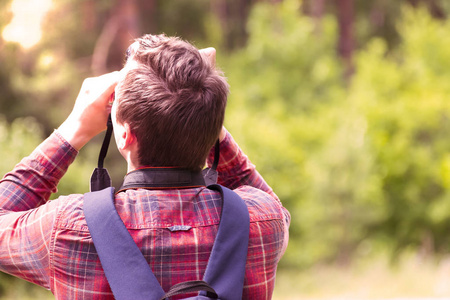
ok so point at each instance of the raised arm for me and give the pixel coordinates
(235, 168)
(90, 113)
(25, 223)
(33, 180)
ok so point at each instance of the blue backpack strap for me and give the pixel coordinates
(126, 269)
(225, 271)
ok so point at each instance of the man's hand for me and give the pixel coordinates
(210, 55)
(90, 113)
(223, 134)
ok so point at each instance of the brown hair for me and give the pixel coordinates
(174, 101)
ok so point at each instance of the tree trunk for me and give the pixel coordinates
(129, 25)
(220, 9)
(233, 20)
(377, 16)
(317, 11)
(148, 20)
(435, 10)
(117, 34)
(346, 42)
(89, 15)
(243, 10)
(104, 42)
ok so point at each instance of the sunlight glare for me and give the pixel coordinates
(25, 26)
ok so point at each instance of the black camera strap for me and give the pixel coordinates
(100, 178)
(210, 174)
(106, 141)
(160, 178)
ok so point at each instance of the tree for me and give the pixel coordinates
(346, 44)
(120, 29)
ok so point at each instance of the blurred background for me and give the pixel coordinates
(343, 105)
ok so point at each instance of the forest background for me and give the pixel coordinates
(343, 105)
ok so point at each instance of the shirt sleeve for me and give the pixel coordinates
(235, 169)
(26, 218)
(35, 178)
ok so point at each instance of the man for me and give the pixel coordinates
(168, 112)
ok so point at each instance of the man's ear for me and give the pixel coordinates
(126, 137)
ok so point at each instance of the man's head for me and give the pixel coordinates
(173, 100)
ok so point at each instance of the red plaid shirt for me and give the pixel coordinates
(48, 242)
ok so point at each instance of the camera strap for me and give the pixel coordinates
(162, 178)
(152, 178)
(100, 178)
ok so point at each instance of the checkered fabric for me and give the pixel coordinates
(48, 242)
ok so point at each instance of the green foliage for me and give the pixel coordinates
(47, 89)
(13, 289)
(21, 137)
(183, 18)
(282, 84)
(73, 27)
(18, 140)
(361, 168)
(11, 99)
(406, 108)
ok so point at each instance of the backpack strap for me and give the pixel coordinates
(128, 272)
(126, 269)
(225, 271)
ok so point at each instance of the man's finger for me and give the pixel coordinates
(108, 82)
(210, 54)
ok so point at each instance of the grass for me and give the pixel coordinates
(411, 278)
